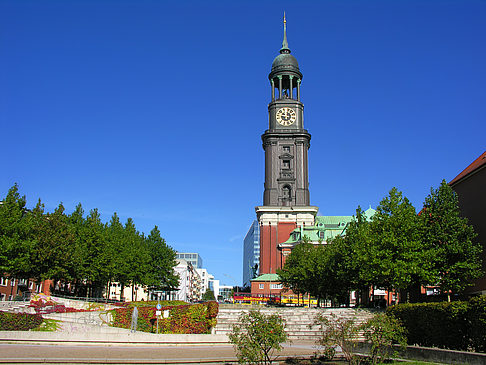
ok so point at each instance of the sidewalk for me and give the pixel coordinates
(125, 348)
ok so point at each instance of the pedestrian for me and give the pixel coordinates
(133, 327)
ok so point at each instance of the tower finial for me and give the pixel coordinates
(285, 44)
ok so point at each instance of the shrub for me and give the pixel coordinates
(336, 331)
(453, 325)
(382, 331)
(184, 319)
(19, 321)
(257, 337)
(476, 319)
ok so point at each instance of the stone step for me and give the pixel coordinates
(299, 321)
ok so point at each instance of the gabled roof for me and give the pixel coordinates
(478, 163)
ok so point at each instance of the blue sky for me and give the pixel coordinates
(154, 109)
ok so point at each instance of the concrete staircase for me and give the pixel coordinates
(299, 321)
(16, 307)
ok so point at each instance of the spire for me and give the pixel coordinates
(285, 44)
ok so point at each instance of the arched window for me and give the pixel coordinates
(287, 193)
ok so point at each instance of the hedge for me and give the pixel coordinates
(189, 318)
(19, 321)
(453, 325)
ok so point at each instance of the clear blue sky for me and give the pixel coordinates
(154, 109)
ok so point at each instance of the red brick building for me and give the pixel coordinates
(470, 187)
(11, 288)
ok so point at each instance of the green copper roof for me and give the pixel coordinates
(325, 228)
(370, 212)
(267, 277)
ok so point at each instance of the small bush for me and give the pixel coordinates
(19, 321)
(382, 331)
(257, 337)
(336, 331)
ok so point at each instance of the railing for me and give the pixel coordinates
(89, 299)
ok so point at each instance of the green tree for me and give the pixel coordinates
(137, 255)
(396, 256)
(161, 274)
(298, 269)
(119, 253)
(54, 244)
(96, 258)
(334, 280)
(451, 241)
(257, 337)
(357, 248)
(77, 270)
(208, 295)
(15, 238)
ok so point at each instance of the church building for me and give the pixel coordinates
(286, 198)
(287, 216)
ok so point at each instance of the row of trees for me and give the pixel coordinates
(397, 249)
(81, 250)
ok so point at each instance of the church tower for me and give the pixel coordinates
(286, 198)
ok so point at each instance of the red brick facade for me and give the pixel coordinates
(10, 288)
(271, 235)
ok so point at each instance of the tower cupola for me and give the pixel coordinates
(285, 76)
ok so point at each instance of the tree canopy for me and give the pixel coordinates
(80, 250)
(397, 249)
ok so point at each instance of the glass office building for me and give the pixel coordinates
(251, 253)
(193, 258)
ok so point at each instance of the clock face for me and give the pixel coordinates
(286, 116)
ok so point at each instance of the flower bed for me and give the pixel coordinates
(185, 319)
(151, 303)
(49, 306)
(19, 321)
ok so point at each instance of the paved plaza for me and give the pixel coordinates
(109, 353)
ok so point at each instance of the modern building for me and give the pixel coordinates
(286, 197)
(190, 283)
(214, 286)
(470, 187)
(192, 257)
(251, 253)
(204, 275)
(129, 293)
(225, 293)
